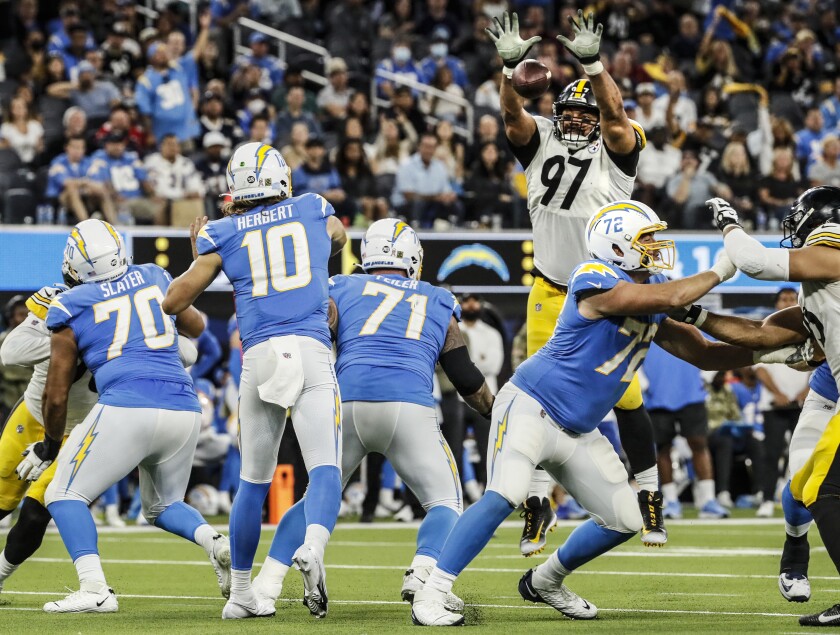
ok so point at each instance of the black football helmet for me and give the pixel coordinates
(813, 208)
(578, 95)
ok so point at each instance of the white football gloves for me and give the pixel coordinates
(512, 48)
(586, 46)
(724, 214)
(36, 459)
(799, 357)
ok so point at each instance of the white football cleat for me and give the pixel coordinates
(428, 609)
(414, 580)
(245, 606)
(264, 592)
(314, 580)
(104, 601)
(794, 587)
(112, 516)
(559, 597)
(220, 559)
(766, 509)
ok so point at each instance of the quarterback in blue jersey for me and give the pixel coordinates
(274, 249)
(147, 414)
(391, 329)
(549, 412)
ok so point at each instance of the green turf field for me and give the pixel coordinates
(711, 577)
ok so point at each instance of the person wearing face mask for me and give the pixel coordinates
(94, 96)
(400, 63)
(439, 56)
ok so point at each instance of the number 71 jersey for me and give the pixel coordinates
(584, 369)
(276, 258)
(565, 190)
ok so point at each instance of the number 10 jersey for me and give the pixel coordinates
(565, 189)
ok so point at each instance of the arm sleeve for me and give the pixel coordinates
(26, 345)
(525, 154)
(626, 162)
(754, 259)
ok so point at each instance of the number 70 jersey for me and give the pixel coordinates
(564, 191)
(584, 369)
(276, 258)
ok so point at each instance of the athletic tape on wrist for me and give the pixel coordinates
(594, 68)
(507, 71)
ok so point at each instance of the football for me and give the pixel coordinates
(531, 79)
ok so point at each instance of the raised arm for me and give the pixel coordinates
(462, 372)
(779, 329)
(189, 285)
(337, 234)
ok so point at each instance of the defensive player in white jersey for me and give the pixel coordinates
(575, 165)
(813, 232)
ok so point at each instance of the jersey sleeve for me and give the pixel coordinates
(525, 154)
(317, 207)
(338, 287)
(61, 312)
(208, 240)
(593, 275)
(452, 302)
(827, 235)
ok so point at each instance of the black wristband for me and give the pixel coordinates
(589, 59)
(693, 313)
(51, 448)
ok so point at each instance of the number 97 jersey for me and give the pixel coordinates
(391, 330)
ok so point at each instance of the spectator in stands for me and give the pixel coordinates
(295, 152)
(422, 192)
(318, 175)
(488, 193)
(334, 98)
(359, 184)
(399, 22)
(487, 94)
(261, 130)
(292, 78)
(350, 30)
(436, 20)
(646, 115)
(271, 69)
(714, 108)
(127, 181)
(177, 184)
(54, 72)
(13, 379)
(61, 39)
(391, 150)
(809, 138)
(830, 109)
(790, 77)
(488, 131)
(451, 151)
(681, 115)
(94, 96)
(211, 65)
(226, 12)
(21, 131)
(778, 190)
(359, 108)
(212, 166)
(213, 118)
(120, 121)
(781, 406)
(736, 172)
(255, 104)
(74, 122)
(176, 46)
(440, 107)
(400, 63)
(715, 62)
(292, 114)
(826, 169)
(121, 56)
(74, 53)
(476, 49)
(69, 185)
(689, 190)
(439, 57)
(405, 112)
(657, 164)
(686, 43)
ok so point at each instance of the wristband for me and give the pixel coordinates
(51, 448)
(696, 315)
(507, 71)
(594, 68)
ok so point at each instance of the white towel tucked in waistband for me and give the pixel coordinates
(286, 383)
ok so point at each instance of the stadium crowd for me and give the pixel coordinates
(108, 111)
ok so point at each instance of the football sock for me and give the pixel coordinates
(826, 513)
(648, 479)
(246, 523)
(91, 576)
(472, 532)
(289, 535)
(422, 561)
(669, 492)
(323, 496)
(636, 432)
(540, 482)
(434, 529)
(317, 536)
(6, 567)
(180, 519)
(797, 517)
(76, 526)
(271, 577)
(704, 491)
(588, 541)
(205, 537)
(796, 555)
(240, 581)
(551, 570)
(26, 536)
(440, 580)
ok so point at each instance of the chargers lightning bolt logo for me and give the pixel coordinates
(501, 431)
(83, 450)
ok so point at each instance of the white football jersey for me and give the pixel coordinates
(176, 179)
(820, 302)
(565, 189)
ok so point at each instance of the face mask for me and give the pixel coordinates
(439, 50)
(256, 106)
(470, 315)
(402, 54)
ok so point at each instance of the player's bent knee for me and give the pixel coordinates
(454, 504)
(625, 516)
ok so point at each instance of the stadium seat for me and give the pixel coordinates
(7, 90)
(385, 184)
(9, 160)
(18, 206)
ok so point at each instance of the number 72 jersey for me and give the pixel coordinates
(584, 369)
(565, 190)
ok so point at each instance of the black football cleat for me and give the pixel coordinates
(829, 617)
(539, 518)
(654, 533)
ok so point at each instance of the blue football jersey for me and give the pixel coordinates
(127, 341)
(584, 369)
(276, 259)
(822, 382)
(391, 330)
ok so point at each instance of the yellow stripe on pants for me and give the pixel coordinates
(806, 483)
